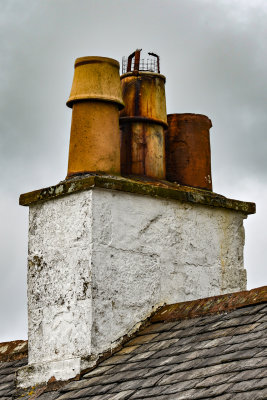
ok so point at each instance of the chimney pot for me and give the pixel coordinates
(188, 159)
(144, 118)
(95, 100)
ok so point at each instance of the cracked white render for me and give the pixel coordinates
(100, 261)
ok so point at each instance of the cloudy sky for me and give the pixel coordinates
(213, 54)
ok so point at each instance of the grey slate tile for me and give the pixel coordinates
(158, 397)
(188, 323)
(66, 396)
(98, 371)
(225, 396)
(142, 339)
(179, 386)
(93, 391)
(127, 350)
(142, 347)
(228, 357)
(147, 392)
(159, 327)
(246, 310)
(7, 378)
(249, 375)
(213, 343)
(251, 336)
(115, 396)
(185, 395)
(7, 371)
(211, 392)
(235, 321)
(263, 308)
(262, 352)
(164, 344)
(178, 349)
(115, 360)
(47, 396)
(216, 380)
(126, 367)
(173, 360)
(137, 384)
(247, 385)
(250, 344)
(77, 385)
(168, 335)
(263, 318)
(124, 376)
(262, 326)
(157, 371)
(141, 356)
(4, 386)
(251, 395)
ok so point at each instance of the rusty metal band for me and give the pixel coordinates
(143, 119)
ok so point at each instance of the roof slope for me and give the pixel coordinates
(216, 356)
(12, 356)
(187, 351)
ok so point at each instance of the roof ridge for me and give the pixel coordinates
(14, 350)
(210, 305)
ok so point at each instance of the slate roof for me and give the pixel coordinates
(213, 348)
(12, 356)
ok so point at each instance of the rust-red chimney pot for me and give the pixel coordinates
(188, 158)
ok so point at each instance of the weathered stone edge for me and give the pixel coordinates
(210, 305)
(150, 188)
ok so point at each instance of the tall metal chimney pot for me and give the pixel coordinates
(144, 118)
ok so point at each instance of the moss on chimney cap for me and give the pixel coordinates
(137, 185)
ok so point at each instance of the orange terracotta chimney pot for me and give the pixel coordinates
(95, 100)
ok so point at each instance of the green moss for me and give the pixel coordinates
(153, 188)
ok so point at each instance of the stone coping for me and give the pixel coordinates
(210, 305)
(137, 185)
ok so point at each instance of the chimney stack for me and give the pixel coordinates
(95, 100)
(144, 118)
(105, 251)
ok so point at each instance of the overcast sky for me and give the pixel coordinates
(213, 53)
